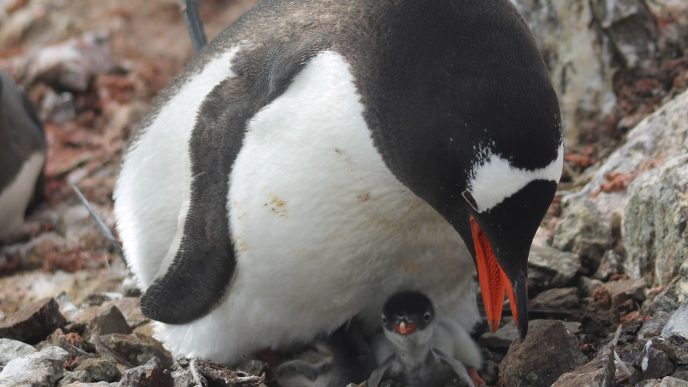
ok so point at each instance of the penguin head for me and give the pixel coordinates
(493, 181)
(487, 155)
(499, 234)
(468, 120)
(407, 313)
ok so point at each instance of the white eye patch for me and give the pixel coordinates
(494, 179)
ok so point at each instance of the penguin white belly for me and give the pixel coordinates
(16, 196)
(322, 230)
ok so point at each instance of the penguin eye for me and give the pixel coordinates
(384, 320)
(468, 197)
(427, 317)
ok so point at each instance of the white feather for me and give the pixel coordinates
(494, 179)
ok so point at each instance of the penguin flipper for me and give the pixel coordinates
(205, 262)
(456, 366)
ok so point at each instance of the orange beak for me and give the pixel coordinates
(404, 328)
(493, 282)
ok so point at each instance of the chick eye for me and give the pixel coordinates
(427, 317)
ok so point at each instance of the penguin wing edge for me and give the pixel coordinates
(193, 285)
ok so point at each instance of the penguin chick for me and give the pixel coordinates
(342, 358)
(410, 325)
(22, 155)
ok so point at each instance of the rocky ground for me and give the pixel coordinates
(608, 273)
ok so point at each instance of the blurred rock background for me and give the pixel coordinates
(608, 273)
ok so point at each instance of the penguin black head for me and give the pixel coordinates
(407, 312)
(471, 125)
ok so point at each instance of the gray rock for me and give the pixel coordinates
(32, 322)
(667, 300)
(151, 374)
(588, 285)
(548, 268)
(625, 373)
(73, 377)
(659, 137)
(129, 306)
(501, 339)
(73, 63)
(583, 231)
(109, 321)
(71, 342)
(39, 369)
(654, 326)
(630, 29)
(548, 351)
(558, 298)
(670, 381)
(217, 375)
(98, 369)
(135, 349)
(654, 224)
(599, 372)
(572, 326)
(681, 373)
(12, 349)
(676, 347)
(624, 290)
(678, 323)
(610, 264)
(655, 362)
(677, 13)
(578, 62)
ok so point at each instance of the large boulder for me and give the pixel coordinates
(573, 51)
(586, 43)
(547, 352)
(39, 369)
(655, 219)
(641, 190)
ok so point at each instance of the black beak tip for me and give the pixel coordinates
(521, 294)
(522, 327)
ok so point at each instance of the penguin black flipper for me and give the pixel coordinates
(205, 263)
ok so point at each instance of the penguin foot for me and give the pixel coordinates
(475, 377)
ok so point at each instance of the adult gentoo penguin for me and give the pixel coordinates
(319, 156)
(22, 155)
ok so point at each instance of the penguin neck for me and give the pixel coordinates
(413, 350)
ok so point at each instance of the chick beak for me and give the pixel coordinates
(404, 328)
(494, 283)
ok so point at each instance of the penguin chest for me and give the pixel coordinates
(315, 212)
